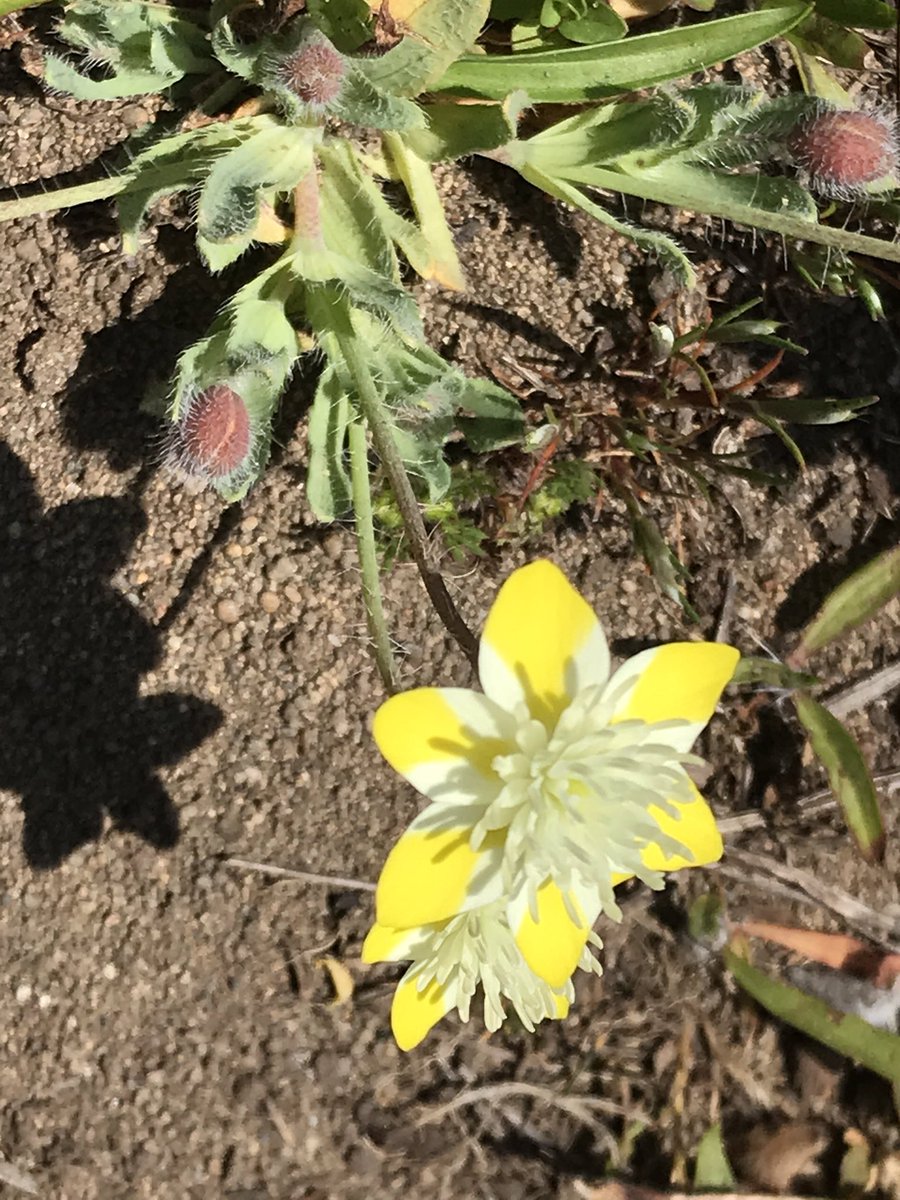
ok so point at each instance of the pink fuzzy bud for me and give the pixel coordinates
(213, 439)
(314, 72)
(844, 150)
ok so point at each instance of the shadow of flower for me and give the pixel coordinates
(77, 741)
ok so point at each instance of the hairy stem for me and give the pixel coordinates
(368, 559)
(383, 439)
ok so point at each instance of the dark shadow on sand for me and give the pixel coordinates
(77, 740)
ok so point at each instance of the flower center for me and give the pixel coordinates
(577, 804)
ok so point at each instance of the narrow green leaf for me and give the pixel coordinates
(61, 75)
(444, 265)
(588, 72)
(811, 410)
(668, 251)
(747, 199)
(848, 774)
(770, 673)
(776, 427)
(854, 601)
(328, 487)
(847, 1034)
(712, 1170)
(68, 197)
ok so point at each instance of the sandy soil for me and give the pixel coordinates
(185, 682)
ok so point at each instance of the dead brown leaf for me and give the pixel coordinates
(775, 1159)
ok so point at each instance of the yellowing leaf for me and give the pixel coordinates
(341, 979)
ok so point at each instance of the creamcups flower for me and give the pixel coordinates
(554, 785)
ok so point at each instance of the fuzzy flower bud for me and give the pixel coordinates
(845, 150)
(213, 439)
(314, 73)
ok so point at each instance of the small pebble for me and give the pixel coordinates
(269, 602)
(228, 611)
(282, 569)
(332, 544)
(29, 251)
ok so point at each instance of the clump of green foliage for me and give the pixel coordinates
(286, 121)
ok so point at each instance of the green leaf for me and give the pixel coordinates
(328, 488)
(350, 218)
(667, 569)
(752, 200)
(347, 23)
(362, 103)
(706, 921)
(491, 417)
(854, 601)
(770, 673)
(668, 251)
(648, 130)
(440, 31)
(810, 410)
(585, 21)
(61, 75)
(143, 47)
(826, 39)
(272, 159)
(848, 774)
(847, 1034)
(712, 1170)
(456, 130)
(170, 165)
(68, 197)
(586, 73)
(443, 264)
(859, 14)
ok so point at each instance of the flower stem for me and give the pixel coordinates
(383, 439)
(368, 559)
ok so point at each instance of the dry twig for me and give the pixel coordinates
(358, 885)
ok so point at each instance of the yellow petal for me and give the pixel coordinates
(695, 827)
(562, 1005)
(414, 1013)
(541, 643)
(681, 681)
(432, 873)
(552, 945)
(443, 740)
